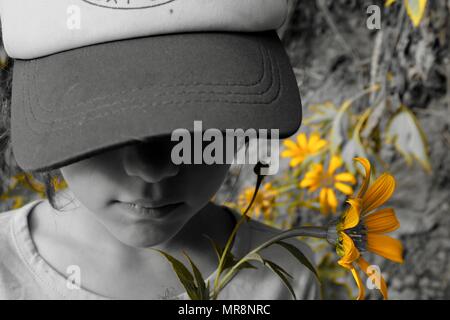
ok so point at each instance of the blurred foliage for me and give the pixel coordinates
(14, 196)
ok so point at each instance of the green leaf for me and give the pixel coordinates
(279, 268)
(405, 133)
(256, 257)
(230, 261)
(217, 249)
(279, 271)
(183, 274)
(354, 147)
(374, 118)
(246, 265)
(338, 132)
(351, 150)
(202, 291)
(282, 274)
(299, 256)
(322, 115)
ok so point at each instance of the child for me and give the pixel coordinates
(99, 104)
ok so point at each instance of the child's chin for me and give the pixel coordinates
(144, 236)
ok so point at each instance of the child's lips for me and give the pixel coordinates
(151, 204)
(155, 211)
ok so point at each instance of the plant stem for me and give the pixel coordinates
(314, 232)
(227, 248)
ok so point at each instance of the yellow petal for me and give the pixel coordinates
(388, 3)
(288, 143)
(385, 246)
(306, 182)
(335, 163)
(315, 143)
(351, 216)
(18, 202)
(349, 252)
(313, 185)
(267, 186)
(296, 161)
(363, 264)
(345, 189)
(324, 208)
(288, 154)
(415, 10)
(257, 211)
(313, 139)
(313, 174)
(302, 141)
(381, 221)
(378, 193)
(323, 195)
(331, 199)
(360, 284)
(319, 145)
(367, 168)
(345, 177)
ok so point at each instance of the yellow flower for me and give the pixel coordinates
(59, 184)
(363, 226)
(263, 203)
(317, 178)
(17, 200)
(303, 148)
(389, 3)
(414, 8)
(27, 180)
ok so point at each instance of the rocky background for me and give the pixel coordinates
(332, 50)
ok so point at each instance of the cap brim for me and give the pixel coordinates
(74, 104)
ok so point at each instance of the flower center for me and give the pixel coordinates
(326, 180)
(359, 236)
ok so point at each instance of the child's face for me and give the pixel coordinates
(104, 183)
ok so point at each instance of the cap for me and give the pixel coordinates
(76, 102)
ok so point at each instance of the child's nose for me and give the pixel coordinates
(150, 161)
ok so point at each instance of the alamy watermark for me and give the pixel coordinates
(374, 277)
(373, 22)
(229, 146)
(73, 281)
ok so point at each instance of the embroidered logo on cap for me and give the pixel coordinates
(128, 4)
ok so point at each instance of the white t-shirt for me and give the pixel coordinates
(24, 274)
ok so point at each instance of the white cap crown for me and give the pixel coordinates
(36, 28)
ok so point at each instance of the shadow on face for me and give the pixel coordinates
(109, 185)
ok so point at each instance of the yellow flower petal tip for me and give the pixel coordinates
(303, 147)
(327, 181)
(364, 226)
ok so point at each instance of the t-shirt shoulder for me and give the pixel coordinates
(16, 281)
